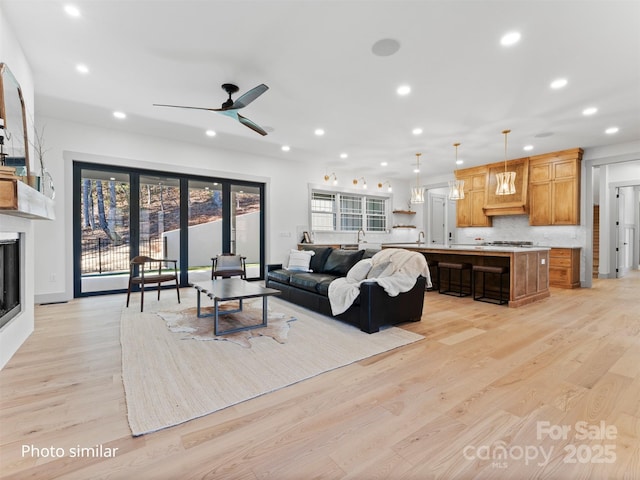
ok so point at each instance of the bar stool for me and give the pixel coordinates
(484, 269)
(433, 271)
(451, 267)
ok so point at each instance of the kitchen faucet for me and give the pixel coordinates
(421, 234)
(359, 231)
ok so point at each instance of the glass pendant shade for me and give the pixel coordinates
(506, 183)
(417, 195)
(456, 189)
(417, 192)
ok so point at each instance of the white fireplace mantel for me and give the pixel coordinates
(19, 199)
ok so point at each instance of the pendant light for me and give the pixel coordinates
(456, 187)
(417, 192)
(505, 180)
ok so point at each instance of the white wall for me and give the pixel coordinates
(285, 203)
(14, 333)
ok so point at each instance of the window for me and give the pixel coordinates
(347, 212)
(323, 211)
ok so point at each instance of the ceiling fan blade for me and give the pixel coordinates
(253, 126)
(183, 106)
(250, 96)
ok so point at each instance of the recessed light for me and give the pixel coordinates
(416, 170)
(510, 38)
(403, 90)
(72, 10)
(82, 68)
(611, 130)
(319, 132)
(120, 115)
(589, 111)
(527, 148)
(559, 83)
(383, 164)
(459, 162)
(343, 155)
(112, 178)
(210, 133)
(416, 131)
(285, 148)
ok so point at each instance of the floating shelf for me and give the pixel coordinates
(404, 226)
(405, 212)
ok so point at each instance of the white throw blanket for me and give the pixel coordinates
(406, 267)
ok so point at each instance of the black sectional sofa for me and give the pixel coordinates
(373, 307)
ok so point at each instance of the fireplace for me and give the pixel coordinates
(9, 277)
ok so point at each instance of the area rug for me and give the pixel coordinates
(169, 380)
(193, 327)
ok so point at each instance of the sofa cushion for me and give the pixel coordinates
(323, 286)
(280, 275)
(369, 252)
(341, 261)
(320, 257)
(309, 281)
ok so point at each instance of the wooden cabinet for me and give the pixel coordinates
(564, 267)
(554, 188)
(469, 210)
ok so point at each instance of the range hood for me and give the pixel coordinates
(515, 204)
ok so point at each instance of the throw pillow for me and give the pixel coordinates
(340, 261)
(359, 271)
(318, 260)
(299, 260)
(383, 269)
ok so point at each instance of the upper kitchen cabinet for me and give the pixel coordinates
(469, 210)
(554, 188)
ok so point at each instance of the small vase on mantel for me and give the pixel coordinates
(46, 185)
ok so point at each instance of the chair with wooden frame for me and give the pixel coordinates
(228, 265)
(150, 272)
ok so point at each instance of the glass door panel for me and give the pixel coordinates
(205, 227)
(104, 230)
(159, 217)
(246, 218)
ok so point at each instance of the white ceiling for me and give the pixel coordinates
(316, 57)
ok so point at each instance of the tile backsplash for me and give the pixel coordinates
(516, 228)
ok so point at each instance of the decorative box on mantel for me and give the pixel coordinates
(19, 199)
(515, 204)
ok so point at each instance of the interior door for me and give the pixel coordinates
(622, 243)
(437, 227)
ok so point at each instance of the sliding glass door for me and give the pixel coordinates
(102, 223)
(120, 213)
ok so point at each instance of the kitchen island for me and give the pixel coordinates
(528, 266)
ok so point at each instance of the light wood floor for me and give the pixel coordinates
(476, 399)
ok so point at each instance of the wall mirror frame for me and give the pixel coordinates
(15, 151)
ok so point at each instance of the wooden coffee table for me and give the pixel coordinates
(223, 290)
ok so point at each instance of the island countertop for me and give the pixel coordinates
(472, 249)
(528, 266)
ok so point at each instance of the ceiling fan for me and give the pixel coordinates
(230, 107)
